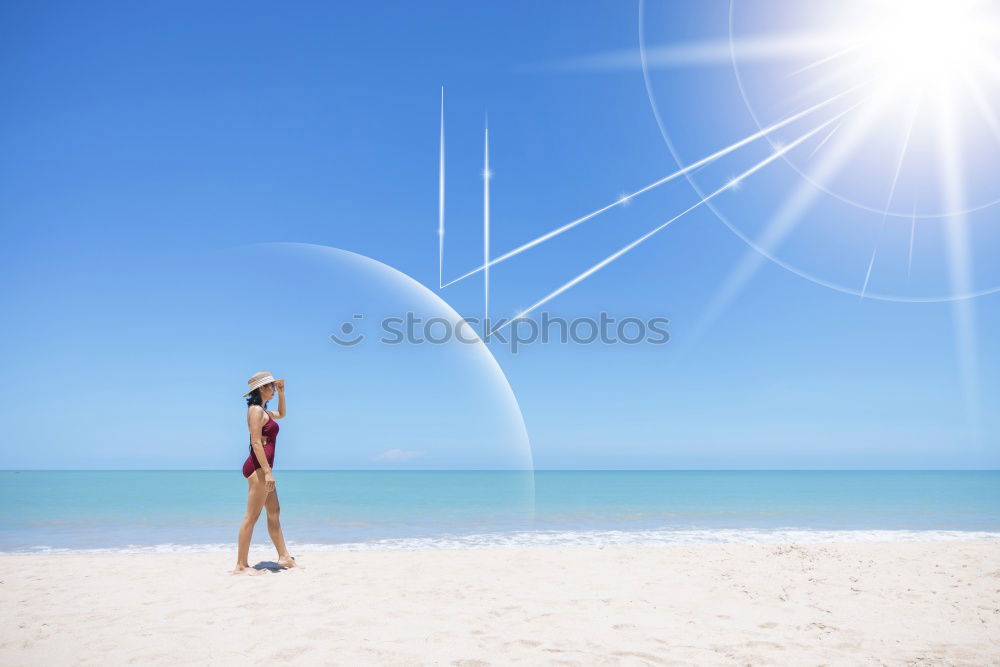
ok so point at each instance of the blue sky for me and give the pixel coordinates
(140, 141)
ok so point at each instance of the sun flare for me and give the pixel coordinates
(916, 43)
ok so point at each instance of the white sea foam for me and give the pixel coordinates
(542, 539)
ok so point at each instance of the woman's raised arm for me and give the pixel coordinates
(280, 386)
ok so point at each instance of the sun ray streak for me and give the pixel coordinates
(911, 117)
(868, 273)
(486, 233)
(959, 260)
(835, 80)
(611, 258)
(826, 59)
(787, 217)
(670, 177)
(826, 138)
(441, 198)
(760, 48)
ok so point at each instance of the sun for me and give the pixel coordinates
(886, 111)
(928, 74)
(927, 43)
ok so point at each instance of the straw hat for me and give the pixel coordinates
(259, 380)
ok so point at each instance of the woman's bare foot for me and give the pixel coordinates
(289, 562)
(247, 570)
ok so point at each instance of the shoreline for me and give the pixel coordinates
(549, 539)
(895, 602)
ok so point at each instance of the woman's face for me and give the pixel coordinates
(267, 391)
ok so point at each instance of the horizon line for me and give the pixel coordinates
(513, 470)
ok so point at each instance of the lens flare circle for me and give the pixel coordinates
(375, 384)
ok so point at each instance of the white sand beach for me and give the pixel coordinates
(898, 603)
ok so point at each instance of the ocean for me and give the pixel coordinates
(164, 511)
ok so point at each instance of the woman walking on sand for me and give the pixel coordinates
(257, 469)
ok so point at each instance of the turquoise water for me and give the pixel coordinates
(48, 511)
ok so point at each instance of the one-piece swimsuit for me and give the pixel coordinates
(270, 433)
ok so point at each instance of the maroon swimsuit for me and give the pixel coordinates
(270, 432)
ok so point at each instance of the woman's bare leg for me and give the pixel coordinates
(274, 528)
(256, 496)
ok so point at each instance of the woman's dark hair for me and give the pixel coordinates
(255, 399)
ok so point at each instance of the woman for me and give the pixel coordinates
(257, 469)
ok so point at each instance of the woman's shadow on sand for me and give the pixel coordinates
(270, 566)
